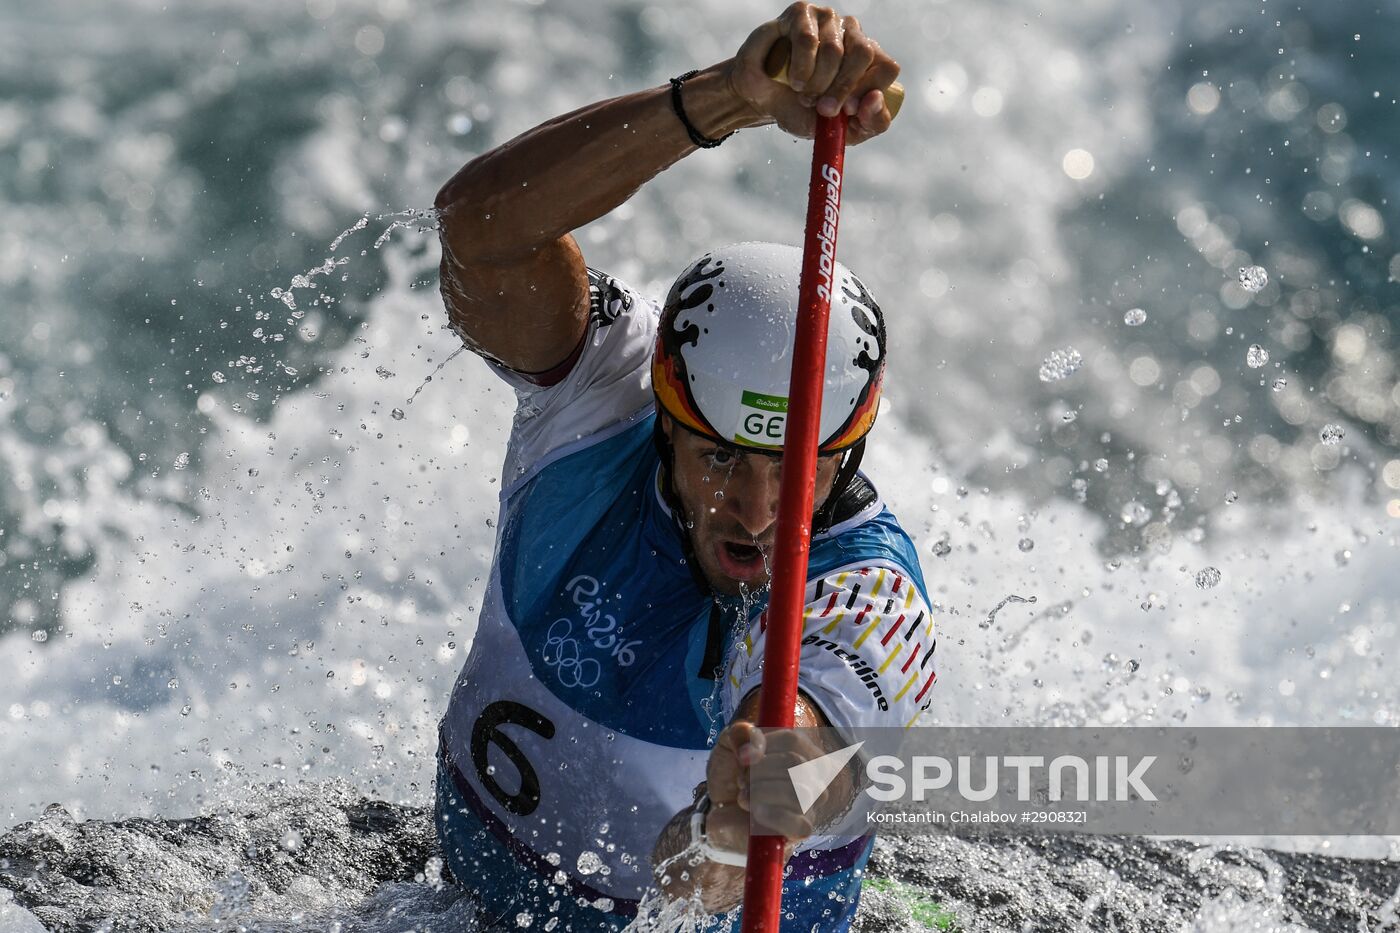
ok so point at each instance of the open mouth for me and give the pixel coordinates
(742, 552)
(743, 562)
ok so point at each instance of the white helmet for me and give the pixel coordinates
(724, 347)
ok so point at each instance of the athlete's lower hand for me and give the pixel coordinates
(749, 785)
(834, 68)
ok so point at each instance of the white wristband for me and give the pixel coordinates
(701, 842)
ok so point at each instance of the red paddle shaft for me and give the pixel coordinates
(763, 881)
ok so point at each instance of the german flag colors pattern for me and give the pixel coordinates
(867, 623)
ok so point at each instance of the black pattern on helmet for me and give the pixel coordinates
(691, 290)
(866, 313)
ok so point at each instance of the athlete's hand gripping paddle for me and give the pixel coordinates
(763, 881)
(775, 64)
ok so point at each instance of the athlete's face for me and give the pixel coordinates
(730, 499)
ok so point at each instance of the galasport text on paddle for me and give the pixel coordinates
(763, 878)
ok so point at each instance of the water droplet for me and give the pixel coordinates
(39, 635)
(1135, 513)
(589, 863)
(396, 414)
(1101, 465)
(524, 919)
(1253, 279)
(1025, 544)
(1060, 364)
(1332, 434)
(941, 548)
(285, 297)
(1278, 384)
(1207, 577)
(291, 840)
(1231, 497)
(218, 377)
(182, 460)
(1256, 357)
(1135, 316)
(1133, 665)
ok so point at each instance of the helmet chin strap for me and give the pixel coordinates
(668, 492)
(822, 519)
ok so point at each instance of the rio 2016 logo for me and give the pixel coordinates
(563, 653)
(564, 650)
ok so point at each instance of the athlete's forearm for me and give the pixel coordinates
(683, 874)
(578, 167)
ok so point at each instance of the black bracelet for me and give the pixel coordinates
(700, 139)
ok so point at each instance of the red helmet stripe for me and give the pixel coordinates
(860, 421)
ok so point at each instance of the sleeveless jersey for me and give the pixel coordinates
(601, 671)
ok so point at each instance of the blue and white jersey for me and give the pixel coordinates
(601, 670)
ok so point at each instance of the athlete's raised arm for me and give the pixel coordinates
(513, 279)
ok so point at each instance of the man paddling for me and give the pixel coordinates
(602, 722)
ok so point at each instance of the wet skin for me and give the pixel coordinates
(730, 500)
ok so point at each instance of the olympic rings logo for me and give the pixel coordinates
(563, 653)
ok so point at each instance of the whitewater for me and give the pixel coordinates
(243, 540)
